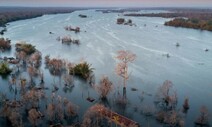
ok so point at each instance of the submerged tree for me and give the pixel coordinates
(34, 116)
(104, 87)
(32, 71)
(21, 56)
(27, 48)
(166, 96)
(92, 116)
(68, 80)
(55, 66)
(15, 119)
(125, 58)
(35, 59)
(5, 44)
(202, 120)
(59, 109)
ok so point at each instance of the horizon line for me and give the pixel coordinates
(208, 7)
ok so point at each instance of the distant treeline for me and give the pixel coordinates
(197, 19)
(9, 14)
(191, 15)
(191, 23)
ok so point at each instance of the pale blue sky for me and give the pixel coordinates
(110, 3)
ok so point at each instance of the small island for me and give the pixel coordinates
(70, 28)
(68, 40)
(82, 16)
(122, 21)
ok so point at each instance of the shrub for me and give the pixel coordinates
(4, 69)
(27, 48)
(104, 87)
(83, 70)
(55, 66)
(120, 20)
(5, 44)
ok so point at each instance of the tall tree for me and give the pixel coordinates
(125, 57)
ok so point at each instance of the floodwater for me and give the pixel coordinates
(189, 67)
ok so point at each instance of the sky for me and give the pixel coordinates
(109, 3)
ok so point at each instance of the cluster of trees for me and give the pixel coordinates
(56, 109)
(70, 28)
(55, 66)
(166, 100)
(28, 49)
(124, 22)
(5, 44)
(9, 14)
(195, 14)
(106, 10)
(33, 105)
(197, 19)
(82, 16)
(191, 23)
(104, 87)
(68, 40)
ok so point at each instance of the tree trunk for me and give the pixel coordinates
(124, 93)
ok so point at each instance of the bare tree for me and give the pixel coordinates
(203, 117)
(21, 56)
(104, 87)
(125, 58)
(34, 116)
(91, 117)
(35, 59)
(166, 95)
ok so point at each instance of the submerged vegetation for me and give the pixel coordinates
(125, 57)
(68, 40)
(55, 66)
(124, 22)
(105, 87)
(70, 28)
(28, 49)
(4, 69)
(5, 44)
(34, 100)
(82, 69)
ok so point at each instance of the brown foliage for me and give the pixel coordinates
(203, 117)
(35, 59)
(5, 44)
(166, 95)
(15, 119)
(55, 66)
(104, 87)
(33, 117)
(122, 68)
